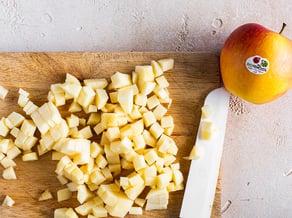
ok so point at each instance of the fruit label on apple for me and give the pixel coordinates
(257, 65)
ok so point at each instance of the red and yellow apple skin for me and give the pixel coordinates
(255, 41)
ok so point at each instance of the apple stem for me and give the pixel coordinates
(283, 27)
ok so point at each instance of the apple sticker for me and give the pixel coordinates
(257, 65)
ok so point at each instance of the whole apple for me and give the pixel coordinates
(256, 63)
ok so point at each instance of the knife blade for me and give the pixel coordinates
(203, 174)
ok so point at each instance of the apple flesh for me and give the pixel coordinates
(255, 41)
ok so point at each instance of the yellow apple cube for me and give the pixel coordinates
(113, 133)
(9, 173)
(15, 119)
(152, 102)
(74, 107)
(63, 194)
(101, 98)
(46, 195)
(99, 211)
(166, 64)
(83, 194)
(86, 96)
(140, 99)
(156, 68)
(139, 142)
(156, 130)
(159, 112)
(120, 80)
(139, 162)
(8, 201)
(151, 156)
(207, 130)
(96, 83)
(3, 92)
(207, 111)
(126, 98)
(149, 118)
(30, 156)
(149, 139)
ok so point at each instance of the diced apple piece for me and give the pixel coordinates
(159, 112)
(4, 143)
(166, 64)
(149, 139)
(7, 162)
(57, 155)
(114, 97)
(8, 201)
(207, 111)
(139, 162)
(70, 213)
(93, 119)
(167, 121)
(125, 98)
(120, 80)
(99, 211)
(28, 127)
(101, 161)
(101, 98)
(139, 142)
(196, 153)
(95, 149)
(63, 194)
(97, 177)
(136, 211)
(96, 83)
(140, 100)
(46, 195)
(15, 119)
(162, 81)
(156, 68)
(71, 79)
(151, 156)
(149, 118)
(207, 130)
(152, 102)
(109, 120)
(156, 130)
(62, 179)
(177, 177)
(140, 202)
(146, 88)
(41, 124)
(157, 199)
(86, 96)
(122, 206)
(160, 92)
(113, 133)
(83, 194)
(4, 130)
(72, 121)
(72, 90)
(3, 92)
(30, 156)
(8, 173)
(60, 213)
(86, 132)
(75, 107)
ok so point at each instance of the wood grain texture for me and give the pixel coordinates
(194, 75)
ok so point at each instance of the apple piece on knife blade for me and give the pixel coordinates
(203, 174)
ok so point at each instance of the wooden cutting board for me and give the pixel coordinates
(194, 75)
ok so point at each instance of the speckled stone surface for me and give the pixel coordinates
(258, 145)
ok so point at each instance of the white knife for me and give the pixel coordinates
(203, 174)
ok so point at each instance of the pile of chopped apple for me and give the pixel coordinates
(114, 149)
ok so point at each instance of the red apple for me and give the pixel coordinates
(256, 63)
